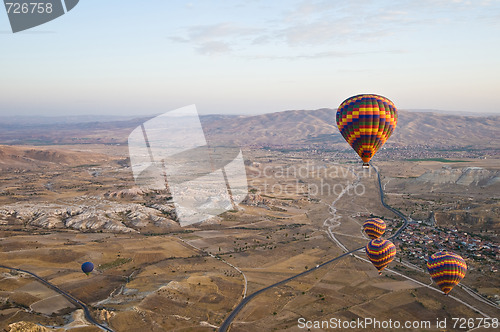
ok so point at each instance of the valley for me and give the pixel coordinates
(64, 204)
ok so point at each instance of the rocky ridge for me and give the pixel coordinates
(462, 176)
(89, 214)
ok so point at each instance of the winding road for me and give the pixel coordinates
(70, 297)
(225, 325)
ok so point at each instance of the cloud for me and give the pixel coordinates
(307, 9)
(323, 55)
(213, 48)
(261, 40)
(217, 31)
(316, 33)
(310, 23)
(216, 38)
(338, 22)
(317, 26)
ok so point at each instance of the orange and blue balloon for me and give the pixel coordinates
(366, 122)
(446, 269)
(87, 267)
(374, 227)
(380, 252)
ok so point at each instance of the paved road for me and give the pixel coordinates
(396, 211)
(225, 325)
(70, 297)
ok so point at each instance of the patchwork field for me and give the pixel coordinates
(62, 205)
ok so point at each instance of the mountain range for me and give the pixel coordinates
(289, 128)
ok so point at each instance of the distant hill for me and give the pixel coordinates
(439, 129)
(19, 157)
(456, 113)
(319, 127)
(289, 128)
(281, 128)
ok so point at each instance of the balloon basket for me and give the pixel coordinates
(366, 165)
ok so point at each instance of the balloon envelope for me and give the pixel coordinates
(366, 122)
(374, 227)
(87, 267)
(380, 252)
(446, 269)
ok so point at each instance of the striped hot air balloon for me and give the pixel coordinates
(380, 252)
(446, 269)
(374, 227)
(366, 122)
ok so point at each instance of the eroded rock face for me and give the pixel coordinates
(256, 200)
(91, 214)
(28, 327)
(465, 219)
(462, 176)
(131, 193)
(104, 315)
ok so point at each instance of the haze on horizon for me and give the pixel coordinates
(237, 57)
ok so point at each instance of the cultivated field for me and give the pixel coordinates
(64, 205)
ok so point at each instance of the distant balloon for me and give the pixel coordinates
(374, 227)
(380, 252)
(446, 269)
(366, 122)
(87, 267)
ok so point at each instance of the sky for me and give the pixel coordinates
(118, 57)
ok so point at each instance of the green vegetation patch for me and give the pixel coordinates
(441, 160)
(115, 263)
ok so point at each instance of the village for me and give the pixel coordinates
(419, 241)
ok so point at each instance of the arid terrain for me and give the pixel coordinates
(67, 196)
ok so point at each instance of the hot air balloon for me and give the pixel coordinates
(87, 267)
(380, 252)
(374, 227)
(366, 122)
(446, 269)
